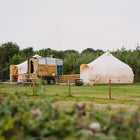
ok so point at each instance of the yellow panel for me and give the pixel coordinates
(46, 70)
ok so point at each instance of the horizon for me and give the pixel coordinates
(74, 49)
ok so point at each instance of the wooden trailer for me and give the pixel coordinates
(45, 68)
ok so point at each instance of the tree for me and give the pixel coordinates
(88, 50)
(28, 52)
(7, 51)
(71, 64)
(16, 59)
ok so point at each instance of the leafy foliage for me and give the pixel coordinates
(7, 51)
(24, 119)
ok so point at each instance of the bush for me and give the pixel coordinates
(24, 119)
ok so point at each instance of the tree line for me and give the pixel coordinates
(10, 53)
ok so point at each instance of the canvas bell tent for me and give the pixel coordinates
(18, 72)
(104, 68)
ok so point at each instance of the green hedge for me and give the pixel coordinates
(25, 119)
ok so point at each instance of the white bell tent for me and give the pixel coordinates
(104, 68)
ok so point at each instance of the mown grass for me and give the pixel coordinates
(98, 94)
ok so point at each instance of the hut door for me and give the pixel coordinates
(59, 70)
(32, 67)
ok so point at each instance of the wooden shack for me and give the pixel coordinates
(47, 68)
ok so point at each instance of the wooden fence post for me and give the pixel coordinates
(69, 88)
(109, 88)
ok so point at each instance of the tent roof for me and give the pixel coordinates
(107, 64)
(104, 67)
(107, 58)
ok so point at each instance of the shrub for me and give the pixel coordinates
(24, 119)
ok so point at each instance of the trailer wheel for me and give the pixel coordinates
(44, 82)
(52, 81)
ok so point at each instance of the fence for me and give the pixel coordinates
(93, 91)
(61, 90)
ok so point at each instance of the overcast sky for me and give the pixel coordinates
(70, 24)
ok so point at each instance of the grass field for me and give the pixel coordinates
(54, 115)
(123, 96)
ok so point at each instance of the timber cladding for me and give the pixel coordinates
(13, 73)
(32, 73)
(46, 70)
(65, 78)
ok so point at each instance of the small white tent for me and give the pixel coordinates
(104, 68)
(19, 70)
